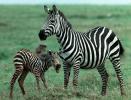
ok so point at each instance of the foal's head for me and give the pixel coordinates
(51, 58)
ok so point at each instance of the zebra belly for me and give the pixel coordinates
(87, 67)
(92, 63)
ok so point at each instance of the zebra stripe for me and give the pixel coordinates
(85, 50)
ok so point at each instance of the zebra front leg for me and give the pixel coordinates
(76, 69)
(18, 71)
(44, 81)
(21, 80)
(67, 69)
(104, 75)
(116, 64)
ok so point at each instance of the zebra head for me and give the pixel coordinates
(55, 22)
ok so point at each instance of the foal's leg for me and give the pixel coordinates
(18, 71)
(104, 75)
(44, 81)
(37, 80)
(36, 72)
(21, 80)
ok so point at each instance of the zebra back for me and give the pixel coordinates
(25, 56)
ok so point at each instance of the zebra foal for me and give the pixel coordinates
(25, 61)
(86, 50)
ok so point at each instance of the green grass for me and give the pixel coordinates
(19, 27)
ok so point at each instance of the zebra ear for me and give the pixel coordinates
(47, 10)
(54, 8)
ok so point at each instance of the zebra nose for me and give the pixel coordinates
(42, 35)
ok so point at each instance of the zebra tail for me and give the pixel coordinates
(121, 48)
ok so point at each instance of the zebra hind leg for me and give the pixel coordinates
(21, 80)
(116, 65)
(104, 76)
(18, 71)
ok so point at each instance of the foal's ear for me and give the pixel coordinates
(49, 52)
(58, 53)
(47, 10)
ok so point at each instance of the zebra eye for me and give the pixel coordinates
(52, 21)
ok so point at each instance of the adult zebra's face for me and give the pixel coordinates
(52, 23)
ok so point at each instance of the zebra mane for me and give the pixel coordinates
(62, 15)
(68, 23)
(45, 58)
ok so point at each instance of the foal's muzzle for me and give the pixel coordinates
(42, 35)
(58, 66)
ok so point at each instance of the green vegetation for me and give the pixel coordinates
(19, 27)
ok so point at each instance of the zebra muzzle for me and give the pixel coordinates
(42, 35)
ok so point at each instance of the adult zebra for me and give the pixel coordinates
(83, 50)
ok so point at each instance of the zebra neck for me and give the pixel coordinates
(63, 37)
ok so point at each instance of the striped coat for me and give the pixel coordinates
(84, 50)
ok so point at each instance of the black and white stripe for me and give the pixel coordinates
(25, 61)
(85, 50)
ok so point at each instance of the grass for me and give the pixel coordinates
(19, 27)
